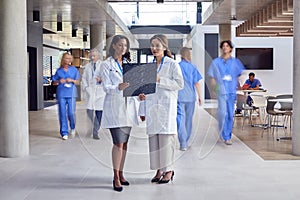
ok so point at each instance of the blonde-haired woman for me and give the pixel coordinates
(161, 110)
(66, 77)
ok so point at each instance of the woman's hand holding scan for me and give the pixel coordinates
(123, 86)
(142, 97)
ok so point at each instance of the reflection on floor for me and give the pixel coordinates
(49, 103)
(262, 141)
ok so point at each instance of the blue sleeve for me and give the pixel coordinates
(196, 75)
(55, 77)
(240, 66)
(258, 83)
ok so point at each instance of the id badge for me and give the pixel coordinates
(68, 85)
(227, 78)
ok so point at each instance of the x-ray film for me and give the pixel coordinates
(141, 78)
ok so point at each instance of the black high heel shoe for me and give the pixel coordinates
(162, 181)
(118, 189)
(125, 183)
(155, 179)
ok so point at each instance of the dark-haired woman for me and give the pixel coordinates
(116, 112)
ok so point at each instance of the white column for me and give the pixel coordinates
(96, 38)
(296, 81)
(110, 32)
(14, 139)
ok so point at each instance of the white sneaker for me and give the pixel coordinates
(73, 132)
(228, 142)
(65, 137)
(183, 149)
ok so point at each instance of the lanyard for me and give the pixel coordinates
(161, 63)
(227, 65)
(93, 69)
(119, 66)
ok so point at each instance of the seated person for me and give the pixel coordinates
(250, 84)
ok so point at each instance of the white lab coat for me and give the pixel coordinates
(94, 91)
(160, 108)
(117, 111)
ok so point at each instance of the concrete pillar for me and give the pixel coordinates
(198, 53)
(14, 139)
(224, 33)
(96, 38)
(296, 81)
(110, 32)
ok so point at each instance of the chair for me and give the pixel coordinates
(272, 114)
(240, 100)
(287, 107)
(247, 113)
(259, 102)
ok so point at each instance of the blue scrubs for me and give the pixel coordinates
(66, 94)
(252, 84)
(186, 102)
(226, 73)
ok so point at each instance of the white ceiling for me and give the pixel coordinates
(89, 12)
(81, 13)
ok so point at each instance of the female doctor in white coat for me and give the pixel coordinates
(161, 110)
(115, 112)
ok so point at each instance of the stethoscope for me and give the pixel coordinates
(119, 66)
(161, 63)
(121, 69)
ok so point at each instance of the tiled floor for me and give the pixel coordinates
(80, 168)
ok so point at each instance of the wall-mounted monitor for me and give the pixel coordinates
(256, 58)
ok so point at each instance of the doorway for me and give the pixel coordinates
(211, 52)
(32, 78)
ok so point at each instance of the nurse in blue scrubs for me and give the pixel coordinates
(66, 77)
(224, 72)
(187, 97)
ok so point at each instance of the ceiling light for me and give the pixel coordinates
(233, 17)
(59, 22)
(84, 39)
(36, 16)
(74, 30)
(85, 34)
(59, 26)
